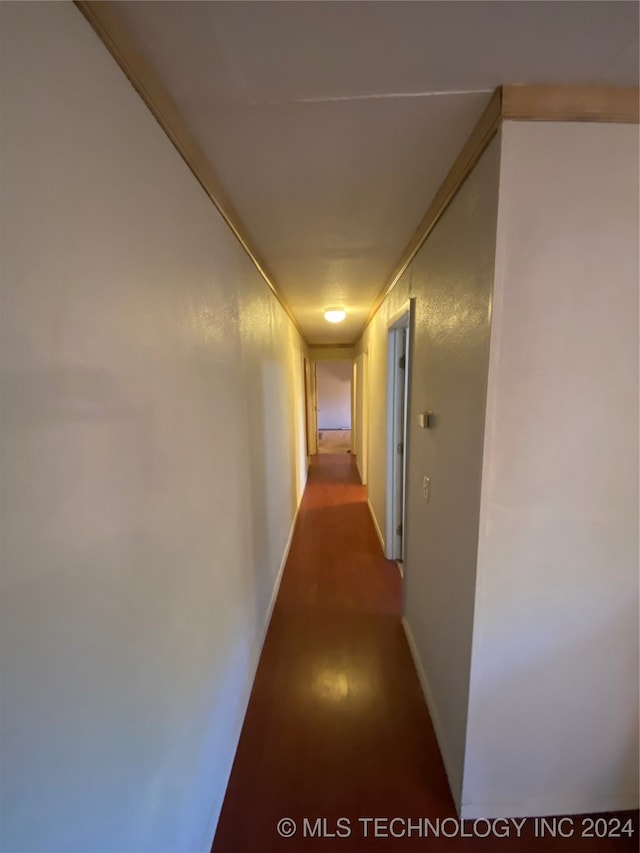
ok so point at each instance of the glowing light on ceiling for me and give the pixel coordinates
(335, 315)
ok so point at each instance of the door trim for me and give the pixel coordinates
(397, 430)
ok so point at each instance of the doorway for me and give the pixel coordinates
(310, 431)
(398, 350)
(333, 389)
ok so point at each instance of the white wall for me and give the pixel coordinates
(153, 458)
(553, 717)
(333, 380)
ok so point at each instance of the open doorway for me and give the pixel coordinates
(398, 394)
(333, 389)
(310, 430)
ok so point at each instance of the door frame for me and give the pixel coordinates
(401, 322)
(360, 438)
(311, 406)
(305, 382)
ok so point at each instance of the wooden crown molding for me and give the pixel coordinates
(481, 135)
(330, 346)
(515, 103)
(106, 21)
(508, 103)
(570, 103)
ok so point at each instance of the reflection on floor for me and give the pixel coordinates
(337, 731)
(334, 441)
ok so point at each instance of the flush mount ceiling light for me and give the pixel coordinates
(335, 315)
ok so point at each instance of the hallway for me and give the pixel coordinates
(208, 209)
(337, 726)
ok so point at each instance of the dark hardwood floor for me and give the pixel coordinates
(337, 728)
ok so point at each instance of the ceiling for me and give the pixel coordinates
(330, 125)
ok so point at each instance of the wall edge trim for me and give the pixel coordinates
(469, 154)
(103, 17)
(571, 103)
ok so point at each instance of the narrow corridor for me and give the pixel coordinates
(337, 727)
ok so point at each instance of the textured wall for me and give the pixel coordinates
(453, 276)
(521, 572)
(152, 461)
(451, 279)
(553, 717)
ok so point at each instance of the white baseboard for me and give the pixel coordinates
(276, 587)
(454, 784)
(377, 527)
(532, 808)
(243, 703)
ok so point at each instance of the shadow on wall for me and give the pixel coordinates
(274, 463)
(255, 522)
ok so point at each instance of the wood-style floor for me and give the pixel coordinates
(334, 441)
(337, 727)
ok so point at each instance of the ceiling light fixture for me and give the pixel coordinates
(335, 315)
